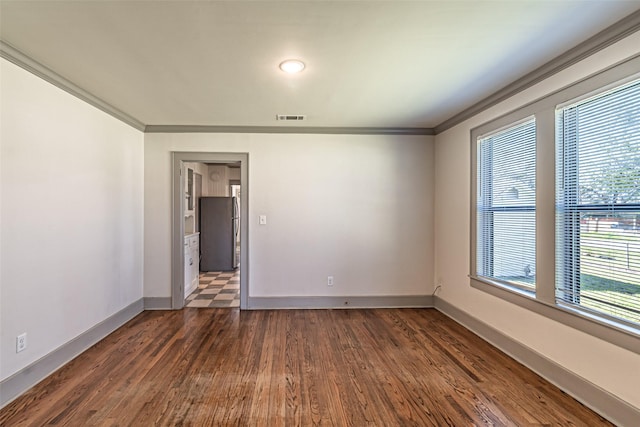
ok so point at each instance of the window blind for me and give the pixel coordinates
(598, 204)
(505, 211)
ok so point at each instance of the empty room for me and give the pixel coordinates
(270, 213)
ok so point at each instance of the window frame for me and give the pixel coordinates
(567, 196)
(543, 300)
(492, 209)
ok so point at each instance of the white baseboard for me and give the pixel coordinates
(157, 303)
(609, 406)
(275, 303)
(601, 401)
(31, 375)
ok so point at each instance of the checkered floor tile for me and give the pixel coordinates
(216, 289)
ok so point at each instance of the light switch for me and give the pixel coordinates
(263, 220)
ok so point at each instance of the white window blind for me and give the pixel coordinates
(505, 211)
(598, 204)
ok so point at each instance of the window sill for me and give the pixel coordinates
(617, 334)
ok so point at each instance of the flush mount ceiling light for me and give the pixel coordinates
(292, 66)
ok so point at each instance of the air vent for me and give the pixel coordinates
(290, 117)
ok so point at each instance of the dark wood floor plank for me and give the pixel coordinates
(198, 367)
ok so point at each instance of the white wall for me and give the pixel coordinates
(72, 212)
(218, 180)
(612, 368)
(357, 207)
(222, 175)
(233, 174)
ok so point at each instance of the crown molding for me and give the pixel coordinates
(605, 38)
(13, 55)
(287, 129)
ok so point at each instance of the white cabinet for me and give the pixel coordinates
(191, 263)
(189, 202)
(189, 191)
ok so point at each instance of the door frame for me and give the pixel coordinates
(178, 158)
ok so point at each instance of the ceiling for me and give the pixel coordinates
(381, 64)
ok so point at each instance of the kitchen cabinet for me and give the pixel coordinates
(189, 191)
(191, 262)
(189, 202)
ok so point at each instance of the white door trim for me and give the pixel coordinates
(177, 220)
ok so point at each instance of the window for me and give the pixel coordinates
(505, 211)
(555, 205)
(598, 204)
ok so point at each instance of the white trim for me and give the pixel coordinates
(605, 38)
(543, 301)
(616, 334)
(31, 375)
(616, 32)
(601, 401)
(289, 130)
(177, 221)
(13, 55)
(337, 302)
(157, 303)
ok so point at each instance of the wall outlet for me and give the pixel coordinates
(329, 280)
(21, 342)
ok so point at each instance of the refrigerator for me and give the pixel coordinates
(219, 226)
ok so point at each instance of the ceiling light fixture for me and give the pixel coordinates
(292, 66)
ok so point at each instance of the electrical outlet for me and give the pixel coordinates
(21, 342)
(329, 280)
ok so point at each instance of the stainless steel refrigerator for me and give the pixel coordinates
(219, 222)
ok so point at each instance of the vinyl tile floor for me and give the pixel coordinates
(216, 289)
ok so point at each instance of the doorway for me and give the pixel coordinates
(218, 233)
(235, 191)
(180, 258)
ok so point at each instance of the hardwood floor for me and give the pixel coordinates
(200, 367)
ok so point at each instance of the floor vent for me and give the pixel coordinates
(290, 117)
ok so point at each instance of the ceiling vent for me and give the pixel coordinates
(290, 117)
